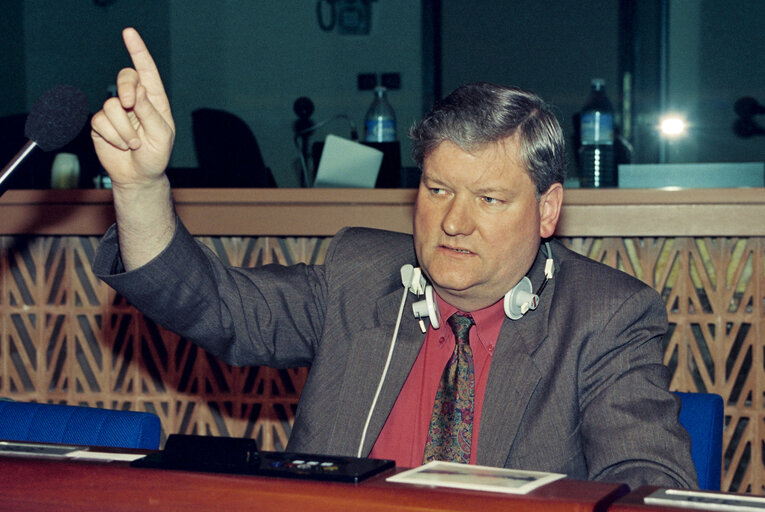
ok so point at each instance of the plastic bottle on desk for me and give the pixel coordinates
(380, 121)
(597, 165)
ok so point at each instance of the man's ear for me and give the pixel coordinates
(549, 210)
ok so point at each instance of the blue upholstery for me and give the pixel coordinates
(67, 424)
(702, 416)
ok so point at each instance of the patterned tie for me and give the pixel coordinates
(451, 426)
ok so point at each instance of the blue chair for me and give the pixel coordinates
(68, 424)
(702, 416)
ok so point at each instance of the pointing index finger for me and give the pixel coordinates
(148, 73)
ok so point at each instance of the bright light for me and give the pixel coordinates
(672, 126)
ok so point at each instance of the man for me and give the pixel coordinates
(571, 382)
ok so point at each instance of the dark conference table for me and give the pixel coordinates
(31, 484)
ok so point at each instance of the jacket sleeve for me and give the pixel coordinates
(630, 428)
(269, 315)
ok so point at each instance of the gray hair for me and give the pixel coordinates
(478, 114)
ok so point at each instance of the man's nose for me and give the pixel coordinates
(458, 217)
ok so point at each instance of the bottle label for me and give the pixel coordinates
(380, 130)
(597, 128)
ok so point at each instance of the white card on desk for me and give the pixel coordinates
(22, 449)
(104, 456)
(481, 478)
(705, 500)
(345, 163)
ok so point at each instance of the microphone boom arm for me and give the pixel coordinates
(8, 169)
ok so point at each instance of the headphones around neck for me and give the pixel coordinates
(517, 302)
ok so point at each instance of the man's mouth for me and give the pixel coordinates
(457, 249)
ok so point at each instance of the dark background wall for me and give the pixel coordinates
(255, 57)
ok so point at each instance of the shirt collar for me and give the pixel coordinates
(488, 321)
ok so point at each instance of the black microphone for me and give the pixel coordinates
(303, 107)
(748, 107)
(54, 121)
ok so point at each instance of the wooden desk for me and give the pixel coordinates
(43, 484)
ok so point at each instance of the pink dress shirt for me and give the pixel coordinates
(403, 436)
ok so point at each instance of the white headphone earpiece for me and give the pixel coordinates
(427, 308)
(414, 281)
(520, 299)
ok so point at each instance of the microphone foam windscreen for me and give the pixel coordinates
(57, 117)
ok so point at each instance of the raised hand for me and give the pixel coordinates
(133, 135)
(134, 132)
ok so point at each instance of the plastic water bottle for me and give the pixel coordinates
(380, 121)
(596, 153)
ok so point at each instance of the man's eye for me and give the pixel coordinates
(490, 200)
(437, 191)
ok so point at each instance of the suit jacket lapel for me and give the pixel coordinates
(408, 345)
(365, 369)
(513, 377)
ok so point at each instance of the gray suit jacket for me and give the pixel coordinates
(576, 386)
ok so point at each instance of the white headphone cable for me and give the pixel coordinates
(384, 373)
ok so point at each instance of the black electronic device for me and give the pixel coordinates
(241, 456)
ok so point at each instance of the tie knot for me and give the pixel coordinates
(461, 325)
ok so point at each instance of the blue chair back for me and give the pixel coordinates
(702, 416)
(68, 424)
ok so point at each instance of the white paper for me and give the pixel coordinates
(37, 450)
(104, 456)
(705, 500)
(482, 478)
(345, 163)
(22, 449)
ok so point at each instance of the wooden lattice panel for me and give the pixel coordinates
(65, 337)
